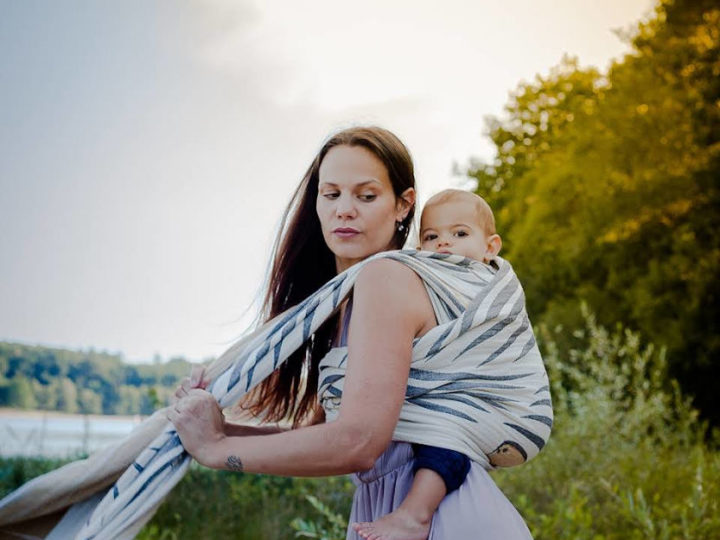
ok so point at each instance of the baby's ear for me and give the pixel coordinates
(494, 245)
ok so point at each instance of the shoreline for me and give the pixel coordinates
(9, 412)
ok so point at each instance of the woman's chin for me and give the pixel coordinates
(345, 258)
(345, 251)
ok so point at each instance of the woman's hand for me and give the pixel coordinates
(195, 380)
(200, 423)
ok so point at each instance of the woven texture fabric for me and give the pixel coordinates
(477, 382)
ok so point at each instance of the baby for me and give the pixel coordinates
(461, 223)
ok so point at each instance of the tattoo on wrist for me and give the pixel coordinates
(234, 463)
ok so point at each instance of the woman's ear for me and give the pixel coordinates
(405, 202)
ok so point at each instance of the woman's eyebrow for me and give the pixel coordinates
(359, 184)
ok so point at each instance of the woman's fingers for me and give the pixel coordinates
(195, 380)
(172, 415)
(201, 394)
(182, 390)
(199, 422)
(186, 383)
(181, 408)
(197, 375)
(193, 401)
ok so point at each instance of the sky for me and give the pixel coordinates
(148, 149)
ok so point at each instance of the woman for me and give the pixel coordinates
(356, 200)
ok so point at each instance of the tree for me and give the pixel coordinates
(45, 395)
(605, 188)
(66, 395)
(89, 402)
(20, 393)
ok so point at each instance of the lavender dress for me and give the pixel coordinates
(476, 510)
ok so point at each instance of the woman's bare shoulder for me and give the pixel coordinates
(398, 288)
(383, 272)
(387, 266)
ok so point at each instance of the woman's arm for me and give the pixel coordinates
(390, 308)
(244, 430)
(198, 379)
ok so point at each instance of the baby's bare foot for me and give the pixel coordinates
(399, 525)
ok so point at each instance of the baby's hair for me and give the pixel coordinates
(483, 208)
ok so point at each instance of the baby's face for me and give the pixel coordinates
(454, 227)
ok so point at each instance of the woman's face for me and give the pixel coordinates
(356, 204)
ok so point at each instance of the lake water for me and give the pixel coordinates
(50, 434)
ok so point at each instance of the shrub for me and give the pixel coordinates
(627, 458)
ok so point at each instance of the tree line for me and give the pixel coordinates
(605, 188)
(87, 382)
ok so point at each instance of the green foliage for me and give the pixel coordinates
(85, 382)
(605, 188)
(220, 504)
(627, 458)
(331, 526)
(15, 471)
(19, 391)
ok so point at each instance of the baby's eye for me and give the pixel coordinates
(461, 233)
(429, 236)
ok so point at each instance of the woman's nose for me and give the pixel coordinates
(345, 207)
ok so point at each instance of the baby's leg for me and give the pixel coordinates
(438, 471)
(411, 520)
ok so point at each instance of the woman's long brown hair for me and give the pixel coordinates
(302, 263)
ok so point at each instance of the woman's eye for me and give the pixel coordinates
(367, 197)
(331, 194)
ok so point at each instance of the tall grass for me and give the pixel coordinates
(225, 505)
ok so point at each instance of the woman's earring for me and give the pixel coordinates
(399, 226)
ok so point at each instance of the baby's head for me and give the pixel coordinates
(459, 222)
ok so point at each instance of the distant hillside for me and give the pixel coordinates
(34, 377)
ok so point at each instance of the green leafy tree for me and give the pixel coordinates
(605, 187)
(57, 378)
(20, 393)
(130, 400)
(45, 395)
(89, 402)
(66, 395)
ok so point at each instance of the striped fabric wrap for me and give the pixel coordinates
(477, 381)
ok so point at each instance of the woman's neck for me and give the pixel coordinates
(343, 264)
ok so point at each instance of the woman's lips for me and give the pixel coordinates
(346, 232)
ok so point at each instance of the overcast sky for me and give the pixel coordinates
(147, 149)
